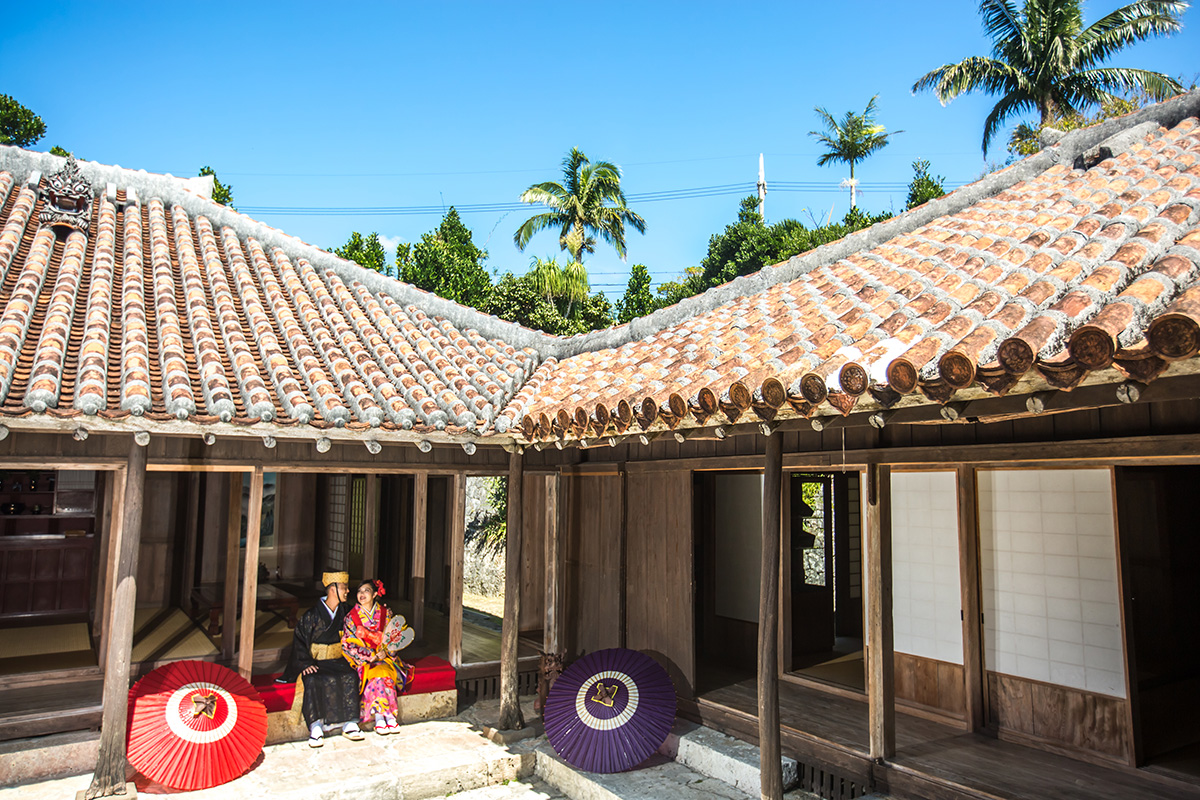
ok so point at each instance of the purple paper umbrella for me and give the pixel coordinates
(610, 710)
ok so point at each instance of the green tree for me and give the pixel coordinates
(1045, 61)
(366, 251)
(447, 263)
(638, 300)
(19, 126)
(851, 140)
(59, 151)
(222, 192)
(749, 244)
(521, 300)
(923, 186)
(588, 203)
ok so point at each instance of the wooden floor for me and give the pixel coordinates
(933, 760)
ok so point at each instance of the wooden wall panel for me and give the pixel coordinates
(592, 518)
(659, 572)
(159, 540)
(533, 555)
(936, 684)
(1093, 725)
(295, 525)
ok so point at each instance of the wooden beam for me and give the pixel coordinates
(420, 516)
(770, 769)
(109, 777)
(458, 515)
(371, 527)
(881, 688)
(116, 506)
(510, 705)
(233, 549)
(552, 627)
(972, 611)
(250, 576)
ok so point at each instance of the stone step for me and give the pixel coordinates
(659, 778)
(529, 789)
(716, 755)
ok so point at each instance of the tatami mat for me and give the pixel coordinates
(41, 640)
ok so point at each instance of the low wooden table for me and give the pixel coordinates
(270, 598)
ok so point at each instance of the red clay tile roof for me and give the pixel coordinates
(138, 300)
(170, 307)
(1071, 271)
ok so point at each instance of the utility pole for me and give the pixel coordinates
(762, 189)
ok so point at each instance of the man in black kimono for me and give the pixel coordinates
(331, 686)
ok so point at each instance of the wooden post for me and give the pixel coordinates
(458, 516)
(109, 777)
(770, 767)
(552, 635)
(972, 610)
(371, 528)
(233, 549)
(116, 505)
(420, 515)
(510, 626)
(881, 688)
(250, 581)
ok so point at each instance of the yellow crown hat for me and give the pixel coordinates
(328, 578)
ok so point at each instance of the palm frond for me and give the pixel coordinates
(535, 225)
(548, 193)
(1000, 19)
(1106, 81)
(1010, 104)
(1128, 25)
(975, 73)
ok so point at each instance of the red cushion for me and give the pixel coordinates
(275, 696)
(431, 674)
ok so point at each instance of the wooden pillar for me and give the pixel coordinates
(510, 626)
(770, 768)
(116, 506)
(250, 579)
(458, 517)
(551, 629)
(881, 688)
(233, 549)
(972, 611)
(109, 777)
(420, 515)
(371, 528)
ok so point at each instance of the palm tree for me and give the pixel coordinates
(558, 283)
(851, 140)
(587, 204)
(1044, 60)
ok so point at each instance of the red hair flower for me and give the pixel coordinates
(379, 590)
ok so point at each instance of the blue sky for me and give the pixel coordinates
(352, 105)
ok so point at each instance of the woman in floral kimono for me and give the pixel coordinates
(371, 637)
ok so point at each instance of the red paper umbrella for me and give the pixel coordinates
(194, 724)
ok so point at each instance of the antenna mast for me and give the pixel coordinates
(762, 189)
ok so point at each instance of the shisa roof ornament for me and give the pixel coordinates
(68, 203)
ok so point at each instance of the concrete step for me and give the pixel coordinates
(716, 755)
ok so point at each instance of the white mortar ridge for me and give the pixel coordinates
(723, 757)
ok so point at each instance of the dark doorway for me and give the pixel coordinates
(1159, 551)
(825, 585)
(728, 531)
